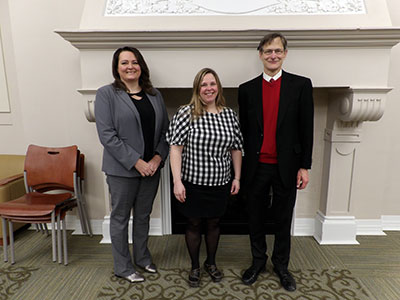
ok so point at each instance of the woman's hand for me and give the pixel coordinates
(143, 168)
(154, 163)
(179, 191)
(235, 186)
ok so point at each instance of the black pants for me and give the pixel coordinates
(267, 176)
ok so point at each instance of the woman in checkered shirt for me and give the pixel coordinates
(205, 142)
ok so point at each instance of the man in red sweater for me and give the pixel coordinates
(276, 116)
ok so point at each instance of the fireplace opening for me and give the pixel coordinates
(235, 219)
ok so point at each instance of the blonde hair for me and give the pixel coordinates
(197, 104)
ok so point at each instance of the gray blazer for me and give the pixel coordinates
(120, 131)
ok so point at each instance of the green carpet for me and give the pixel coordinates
(172, 284)
(12, 278)
(369, 271)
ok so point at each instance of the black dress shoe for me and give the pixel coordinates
(286, 279)
(251, 274)
(194, 278)
(212, 270)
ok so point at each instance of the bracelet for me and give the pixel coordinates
(236, 179)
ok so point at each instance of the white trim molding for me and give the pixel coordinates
(304, 227)
(390, 222)
(165, 182)
(155, 229)
(334, 227)
(369, 227)
(335, 230)
(309, 38)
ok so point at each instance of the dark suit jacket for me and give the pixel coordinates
(294, 132)
(120, 130)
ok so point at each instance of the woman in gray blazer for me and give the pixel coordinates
(131, 121)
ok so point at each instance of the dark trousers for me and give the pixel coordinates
(267, 176)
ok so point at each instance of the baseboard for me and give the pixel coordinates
(391, 223)
(335, 230)
(369, 227)
(304, 227)
(74, 224)
(155, 229)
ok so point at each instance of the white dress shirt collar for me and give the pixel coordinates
(276, 77)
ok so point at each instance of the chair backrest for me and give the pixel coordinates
(81, 173)
(50, 166)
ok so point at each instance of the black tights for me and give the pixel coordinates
(193, 239)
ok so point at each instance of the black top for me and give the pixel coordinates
(147, 120)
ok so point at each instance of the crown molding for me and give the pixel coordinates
(310, 38)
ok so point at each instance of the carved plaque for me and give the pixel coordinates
(228, 7)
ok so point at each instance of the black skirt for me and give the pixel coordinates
(204, 201)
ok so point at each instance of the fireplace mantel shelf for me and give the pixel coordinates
(111, 39)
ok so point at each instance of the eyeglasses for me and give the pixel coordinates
(277, 51)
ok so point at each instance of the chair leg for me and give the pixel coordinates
(53, 236)
(64, 229)
(10, 226)
(81, 215)
(78, 194)
(59, 239)
(46, 229)
(85, 212)
(3, 221)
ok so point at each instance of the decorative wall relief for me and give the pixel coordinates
(228, 7)
(4, 101)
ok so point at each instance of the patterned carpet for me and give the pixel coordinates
(172, 284)
(369, 271)
(12, 279)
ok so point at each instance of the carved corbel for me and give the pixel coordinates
(88, 107)
(348, 108)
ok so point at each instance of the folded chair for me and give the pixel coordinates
(82, 209)
(78, 191)
(44, 168)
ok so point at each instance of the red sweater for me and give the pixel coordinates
(270, 92)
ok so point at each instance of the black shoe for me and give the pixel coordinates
(286, 279)
(215, 274)
(194, 277)
(251, 274)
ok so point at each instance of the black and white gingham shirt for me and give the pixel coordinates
(207, 141)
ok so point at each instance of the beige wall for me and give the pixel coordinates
(43, 72)
(43, 75)
(390, 169)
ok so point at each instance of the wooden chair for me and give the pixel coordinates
(45, 169)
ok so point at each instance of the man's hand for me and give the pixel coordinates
(302, 179)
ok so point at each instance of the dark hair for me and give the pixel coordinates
(268, 39)
(144, 79)
(198, 104)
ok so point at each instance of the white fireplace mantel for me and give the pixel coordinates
(165, 42)
(303, 38)
(343, 58)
